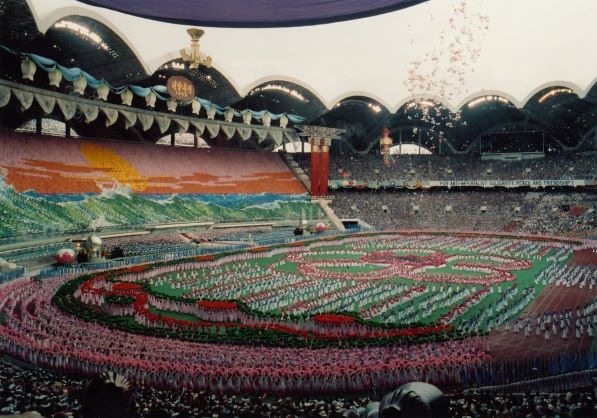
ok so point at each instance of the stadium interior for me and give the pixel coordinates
(177, 241)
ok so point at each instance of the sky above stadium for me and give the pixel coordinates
(450, 50)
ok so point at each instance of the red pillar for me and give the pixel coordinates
(325, 168)
(314, 168)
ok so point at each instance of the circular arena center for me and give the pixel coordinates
(332, 315)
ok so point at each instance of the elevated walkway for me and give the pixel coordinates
(325, 206)
(297, 171)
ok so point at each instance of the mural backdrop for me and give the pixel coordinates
(49, 184)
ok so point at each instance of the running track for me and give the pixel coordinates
(506, 345)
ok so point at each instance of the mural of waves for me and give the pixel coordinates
(26, 214)
(50, 185)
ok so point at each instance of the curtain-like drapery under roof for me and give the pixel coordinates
(253, 13)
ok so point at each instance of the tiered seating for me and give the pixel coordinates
(531, 212)
(436, 167)
(45, 165)
(278, 234)
(226, 234)
(147, 244)
(32, 255)
(260, 235)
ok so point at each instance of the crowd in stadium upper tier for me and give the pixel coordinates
(463, 167)
(530, 212)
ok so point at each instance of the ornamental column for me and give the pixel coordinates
(314, 166)
(324, 169)
(320, 139)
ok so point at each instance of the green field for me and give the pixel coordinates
(427, 306)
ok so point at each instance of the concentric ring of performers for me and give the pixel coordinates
(328, 316)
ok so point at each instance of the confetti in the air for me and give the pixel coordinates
(442, 72)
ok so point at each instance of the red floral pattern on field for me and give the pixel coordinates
(119, 287)
(333, 319)
(412, 267)
(217, 305)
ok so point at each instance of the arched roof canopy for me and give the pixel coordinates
(91, 45)
(362, 117)
(72, 40)
(480, 114)
(424, 112)
(281, 51)
(279, 96)
(362, 95)
(591, 91)
(18, 28)
(549, 97)
(555, 88)
(562, 113)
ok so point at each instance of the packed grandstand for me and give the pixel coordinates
(174, 243)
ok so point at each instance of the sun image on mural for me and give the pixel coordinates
(311, 316)
(75, 184)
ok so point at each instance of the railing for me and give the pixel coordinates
(12, 275)
(52, 233)
(130, 261)
(54, 271)
(563, 382)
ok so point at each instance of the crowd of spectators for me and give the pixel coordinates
(249, 234)
(565, 405)
(54, 395)
(241, 233)
(541, 212)
(461, 167)
(555, 213)
(50, 395)
(136, 245)
(33, 389)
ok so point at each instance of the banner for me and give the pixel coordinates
(178, 88)
(47, 100)
(417, 184)
(511, 183)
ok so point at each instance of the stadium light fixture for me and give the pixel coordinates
(374, 107)
(85, 33)
(487, 99)
(421, 104)
(554, 92)
(278, 87)
(175, 66)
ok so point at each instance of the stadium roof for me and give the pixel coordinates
(451, 51)
(490, 63)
